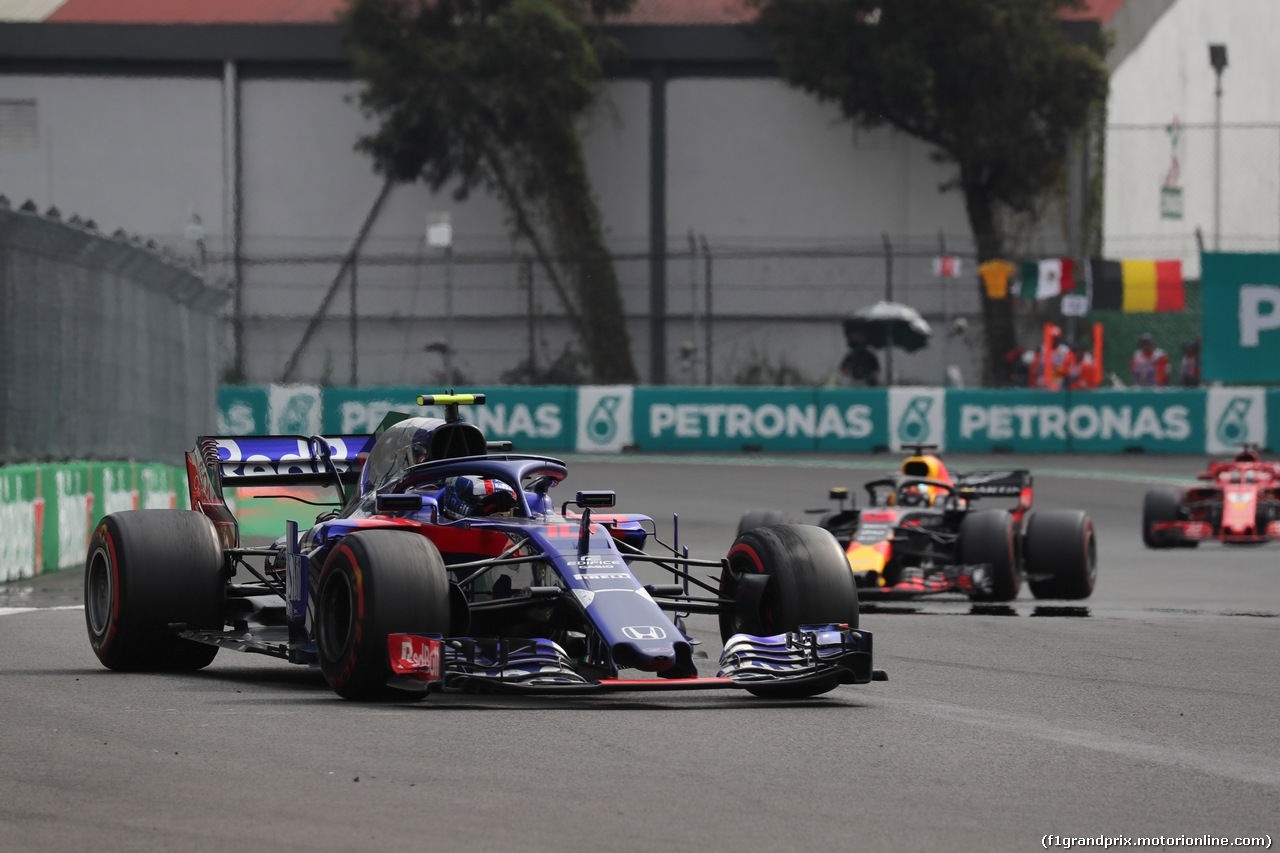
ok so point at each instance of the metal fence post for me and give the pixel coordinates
(709, 261)
(355, 321)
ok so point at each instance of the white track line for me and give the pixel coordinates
(9, 611)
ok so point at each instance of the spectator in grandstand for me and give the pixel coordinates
(1189, 370)
(1150, 364)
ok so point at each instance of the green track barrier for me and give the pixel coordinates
(610, 419)
(48, 511)
(1076, 421)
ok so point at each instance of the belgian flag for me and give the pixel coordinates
(1136, 286)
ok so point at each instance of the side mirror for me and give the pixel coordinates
(399, 503)
(596, 499)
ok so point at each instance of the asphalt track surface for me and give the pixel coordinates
(1152, 711)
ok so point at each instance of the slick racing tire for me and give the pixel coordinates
(988, 537)
(146, 570)
(761, 518)
(375, 583)
(1159, 505)
(808, 583)
(1060, 543)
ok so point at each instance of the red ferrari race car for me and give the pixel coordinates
(1237, 502)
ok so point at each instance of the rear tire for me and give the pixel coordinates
(1061, 543)
(145, 570)
(989, 537)
(1158, 505)
(375, 583)
(761, 518)
(809, 584)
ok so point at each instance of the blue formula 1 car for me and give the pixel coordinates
(446, 565)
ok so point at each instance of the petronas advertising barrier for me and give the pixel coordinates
(614, 419)
(48, 511)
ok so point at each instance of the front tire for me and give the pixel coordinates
(1158, 505)
(1061, 544)
(988, 537)
(808, 583)
(375, 583)
(144, 571)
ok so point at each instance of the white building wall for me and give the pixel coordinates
(755, 164)
(752, 164)
(139, 153)
(1169, 75)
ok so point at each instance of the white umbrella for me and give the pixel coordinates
(889, 324)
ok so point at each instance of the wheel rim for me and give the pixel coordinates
(740, 565)
(336, 616)
(99, 593)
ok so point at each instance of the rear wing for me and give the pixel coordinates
(267, 460)
(285, 460)
(995, 484)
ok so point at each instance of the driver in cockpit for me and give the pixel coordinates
(474, 496)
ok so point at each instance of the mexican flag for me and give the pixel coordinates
(1043, 279)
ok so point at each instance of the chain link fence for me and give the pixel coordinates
(733, 314)
(108, 350)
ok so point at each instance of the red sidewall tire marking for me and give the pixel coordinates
(741, 548)
(350, 667)
(108, 635)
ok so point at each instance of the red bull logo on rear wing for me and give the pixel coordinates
(286, 459)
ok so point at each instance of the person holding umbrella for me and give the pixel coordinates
(860, 367)
(889, 325)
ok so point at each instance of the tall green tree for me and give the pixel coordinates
(490, 94)
(996, 86)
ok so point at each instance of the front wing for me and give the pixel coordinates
(916, 582)
(1202, 531)
(812, 653)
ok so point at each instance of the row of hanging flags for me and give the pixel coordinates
(1126, 285)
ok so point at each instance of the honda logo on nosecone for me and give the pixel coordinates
(644, 632)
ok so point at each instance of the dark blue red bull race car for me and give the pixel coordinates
(446, 564)
(924, 531)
